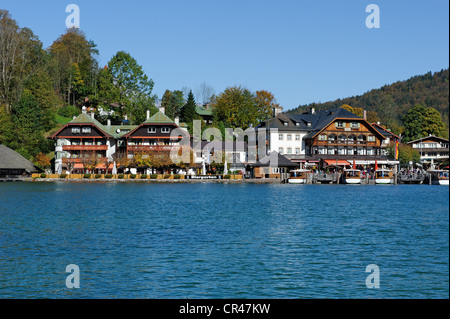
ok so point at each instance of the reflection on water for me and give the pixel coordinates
(211, 240)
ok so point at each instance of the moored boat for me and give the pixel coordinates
(298, 176)
(352, 176)
(383, 176)
(439, 177)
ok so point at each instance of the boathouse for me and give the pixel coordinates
(13, 166)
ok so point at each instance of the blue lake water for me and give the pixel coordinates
(208, 240)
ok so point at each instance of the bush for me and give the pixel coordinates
(108, 176)
(69, 111)
(154, 176)
(43, 175)
(132, 176)
(63, 176)
(144, 176)
(87, 176)
(97, 176)
(228, 176)
(177, 176)
(120, 176)
(166, 176)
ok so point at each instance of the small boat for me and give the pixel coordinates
(439, 177)
(383, 176)
(352, 176)
(298, 176)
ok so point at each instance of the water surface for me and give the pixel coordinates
(207, 240)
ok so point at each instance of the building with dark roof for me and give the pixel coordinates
(433, 150)
(333, 137)
(14, 166)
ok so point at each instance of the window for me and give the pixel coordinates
(280, 137)
(322, 137)
(308, 124)
(297, 137)
(341, 151)
(371, 138)
(280, 150)
(340, 124)
(165, 130)
(297, 151)
(289, 137)
(289, 150)
(370, 151)
(75, 130)
(354, 125)
(297, 124)
(86, 130)
(152, 130)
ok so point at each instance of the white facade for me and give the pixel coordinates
(287, 142)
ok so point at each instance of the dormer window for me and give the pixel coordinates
(308, 124)
(297, 124)
(76, 130)
(340, 124)
(152, 130)
(165, 130)
(86, 130)
(285, 123)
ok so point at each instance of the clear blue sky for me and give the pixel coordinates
(301, 51)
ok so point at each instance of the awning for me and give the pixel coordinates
(337, 162)
(78, 166)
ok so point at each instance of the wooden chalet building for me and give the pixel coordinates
(157, 134)
(86, 145)
(334, 137)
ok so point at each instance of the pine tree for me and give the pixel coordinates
(188, 112)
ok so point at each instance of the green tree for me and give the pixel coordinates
(133, 86)
(73, 47)
(21, 56)
(188, 111)
(421, 121)
(236, 107)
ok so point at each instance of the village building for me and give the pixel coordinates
(325, 138)
(15, 167)
(433, 150)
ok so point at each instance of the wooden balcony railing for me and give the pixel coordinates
(143, 148)
(85, 147)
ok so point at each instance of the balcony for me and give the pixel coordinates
(146, 148)
(80, 160)
(85, 147)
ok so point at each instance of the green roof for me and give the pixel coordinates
(202, 111)
(116, 131)
(119, 130)
(159, 117)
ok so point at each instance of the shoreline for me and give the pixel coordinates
(155, 181)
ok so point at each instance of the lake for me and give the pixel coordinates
(219, 240)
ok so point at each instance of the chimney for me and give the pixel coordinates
(206, 106)
(109, 122)
(177, 120)
(313, 110)
(92, 115)
(74, 117)
(125, 117)
(277, 110)
(148, 114)
(365, 114)
(161, 109)
(83, 110)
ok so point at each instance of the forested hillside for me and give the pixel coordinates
(391, 103)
